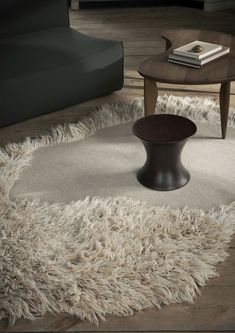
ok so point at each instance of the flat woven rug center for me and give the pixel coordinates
(106, 163)
(80, 235)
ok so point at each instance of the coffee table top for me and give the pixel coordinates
(221, 70)
(164, 128)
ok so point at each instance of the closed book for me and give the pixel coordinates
(196, 63)
(200, 62)
(184, 63)
(208, 49)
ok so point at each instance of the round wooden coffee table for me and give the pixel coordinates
(158, 69)
(163, 136)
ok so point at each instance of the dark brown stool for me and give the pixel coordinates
(164, 136)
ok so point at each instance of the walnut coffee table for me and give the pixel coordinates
(158, 69)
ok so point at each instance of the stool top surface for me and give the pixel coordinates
(218, 71)
(164, 128)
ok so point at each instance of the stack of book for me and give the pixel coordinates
(197, 53)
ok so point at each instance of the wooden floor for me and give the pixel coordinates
(139, 28)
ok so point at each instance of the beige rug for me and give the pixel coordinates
(113, 254)
(105, 164)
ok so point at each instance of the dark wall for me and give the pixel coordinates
(138, 3)
(19, 16)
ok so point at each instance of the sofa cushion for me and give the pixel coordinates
(43, 50)
(38, 93)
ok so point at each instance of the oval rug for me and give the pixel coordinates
(120, 249)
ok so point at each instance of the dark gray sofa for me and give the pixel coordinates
(45, 65)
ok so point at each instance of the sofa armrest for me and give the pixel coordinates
(21, 16)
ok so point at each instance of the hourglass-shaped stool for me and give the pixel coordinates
(163, 136)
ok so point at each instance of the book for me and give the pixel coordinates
(198, 62)
(208, 49)
(184, 63)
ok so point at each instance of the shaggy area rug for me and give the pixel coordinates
(104, 255)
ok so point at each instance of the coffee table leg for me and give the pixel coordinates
(150, 96)
(224, 106)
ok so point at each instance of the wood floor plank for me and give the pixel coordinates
(144, 23)
(212, 315)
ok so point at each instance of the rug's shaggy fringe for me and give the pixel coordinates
(104, 256)
(204, 110)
